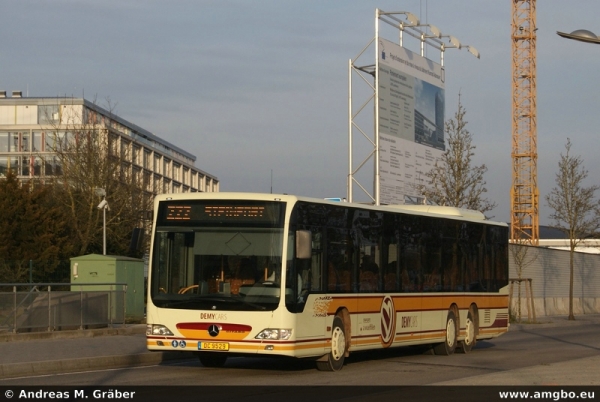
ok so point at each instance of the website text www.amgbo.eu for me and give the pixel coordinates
(553, 395)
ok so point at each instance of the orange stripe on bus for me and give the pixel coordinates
(372, 304)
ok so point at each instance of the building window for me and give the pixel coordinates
(25, 141)
(48, 114)
(4, 166)
(9, 142)
(26, 165)
(137, 176)
(186, 176)
(113, 143)
(49, 142)
(125, 149)
(56, 141)
(176, 171)
(157, 186)
(135, 155)
(4, 142)
(147, 157)
(52, 166)
(147, 182)
(36, 165)
(156, 167)
(125, 172)
(36, 141)
(167, 167)
(201, 186)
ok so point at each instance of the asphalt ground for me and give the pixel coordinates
(43, 353)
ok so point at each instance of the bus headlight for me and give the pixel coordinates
(274, 334)
(157, 329)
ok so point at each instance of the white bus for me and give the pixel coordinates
(241, 274)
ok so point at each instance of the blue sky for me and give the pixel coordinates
(251, 87)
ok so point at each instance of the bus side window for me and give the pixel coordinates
(316, 266)
(315, 273)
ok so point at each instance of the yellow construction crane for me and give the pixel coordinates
(524, 193)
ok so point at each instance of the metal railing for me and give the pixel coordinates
(29, 307)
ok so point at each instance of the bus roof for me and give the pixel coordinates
(427, 210)
(443, 210)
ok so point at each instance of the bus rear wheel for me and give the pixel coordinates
(471, 334)
(449, 345)
(212, 359)
(334, 360)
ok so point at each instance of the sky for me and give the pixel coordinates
(258, 90)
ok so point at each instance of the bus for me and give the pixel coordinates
(243, 274)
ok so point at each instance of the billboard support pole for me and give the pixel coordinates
(377, 178)
(350, 123)
(426, 139)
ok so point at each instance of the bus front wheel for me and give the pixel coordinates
(334, 360)
(212, 359)
(449, 345)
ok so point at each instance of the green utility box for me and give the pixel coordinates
(106, 270)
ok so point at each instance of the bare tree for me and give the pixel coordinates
(454, 180)
(90, 153)
(576, 209)
(522, 257)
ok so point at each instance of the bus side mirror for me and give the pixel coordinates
(303, 244)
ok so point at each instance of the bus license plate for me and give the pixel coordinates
(213, 346)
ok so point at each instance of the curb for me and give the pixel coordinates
(557, 322)
(86, 364)
(71, 334)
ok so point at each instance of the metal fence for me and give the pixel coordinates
(548, 272)
(31, 307)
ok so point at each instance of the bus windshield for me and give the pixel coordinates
(218, 255)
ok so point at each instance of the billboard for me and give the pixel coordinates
(410, 91)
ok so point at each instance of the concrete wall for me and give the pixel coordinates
(549, 272)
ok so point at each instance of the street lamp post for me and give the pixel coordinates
(582, 35)
(103, 206)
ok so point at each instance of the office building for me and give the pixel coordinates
(30, 126)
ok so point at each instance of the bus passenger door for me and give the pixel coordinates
(311, 319)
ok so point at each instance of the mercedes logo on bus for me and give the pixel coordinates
(213, 330)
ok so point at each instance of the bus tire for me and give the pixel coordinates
(212, 359)
(334, 360)
(470, 340)
(449, 345)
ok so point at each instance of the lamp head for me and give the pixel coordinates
(413, 19)
(454, 41)
(582, 35)
(435, 31)
(473, 51)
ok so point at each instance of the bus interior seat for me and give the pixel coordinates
(203, 288)
(390, 281)
(368, 281)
